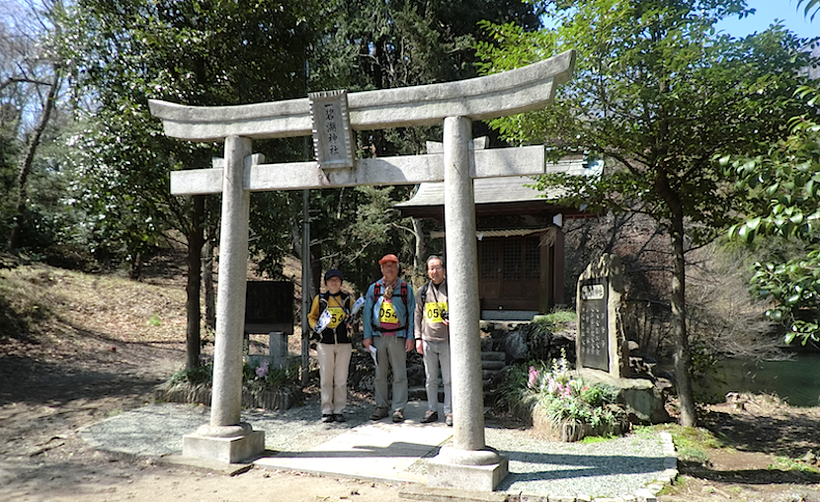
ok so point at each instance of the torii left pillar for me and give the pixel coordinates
(226, 438)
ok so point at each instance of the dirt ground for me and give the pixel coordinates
(103, 345)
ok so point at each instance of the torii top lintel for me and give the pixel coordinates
(516, 91)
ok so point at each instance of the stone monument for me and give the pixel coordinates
(602, 350)
(469, 463)
(601, 343)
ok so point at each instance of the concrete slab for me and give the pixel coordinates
(380, 450)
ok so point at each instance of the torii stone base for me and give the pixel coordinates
(245, 445)
(446, 470)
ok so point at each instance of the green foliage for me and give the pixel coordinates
(354, 227)
(212, 53)
(657, 93)
(562, 397)
(378, 45)
(596, 439)
(558, 317)
(784, 199)
(691, 443)
(260, 375)
(789, 464)
(810, 4)
(202, 374)
(650, 83)
(257, 375)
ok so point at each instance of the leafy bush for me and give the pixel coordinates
(562, 397)
(258, 374)
(199, 375)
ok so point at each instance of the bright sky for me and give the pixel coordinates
(767, 12)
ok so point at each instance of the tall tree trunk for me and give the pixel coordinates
(208, 282)
(208, 269)
(682, 356)
(418, 260)
(28, 160)
(195, 241)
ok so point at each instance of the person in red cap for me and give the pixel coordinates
(387, 320)
(329, 317)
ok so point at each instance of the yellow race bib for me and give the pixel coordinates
(337, 315)
(433, 311)
(387, 314)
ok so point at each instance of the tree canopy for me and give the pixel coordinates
(783, 188)
(658, 93)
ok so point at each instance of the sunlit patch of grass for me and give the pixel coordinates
(596, 439)
(789, 464)
(560, 317)
(693, 444)
(113, 412)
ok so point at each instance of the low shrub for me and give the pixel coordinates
(550, 390)
(262, 386)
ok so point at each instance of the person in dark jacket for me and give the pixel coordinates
(329, 317)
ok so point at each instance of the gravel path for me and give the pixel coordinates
(627, 468)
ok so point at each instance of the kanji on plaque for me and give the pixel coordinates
(593, 324)
(332, 136)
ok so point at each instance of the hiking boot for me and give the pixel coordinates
(327, 418)
(448, 419)
(378, 413)
(430, 416)
(338, 417)
(398, 416)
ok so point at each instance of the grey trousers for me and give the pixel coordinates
(391, 353)
(435, 354)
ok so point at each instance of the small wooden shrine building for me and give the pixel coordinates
(520, 239)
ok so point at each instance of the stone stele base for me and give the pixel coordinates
(212, 444)
(450, 469)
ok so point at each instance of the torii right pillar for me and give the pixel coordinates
(469, 464)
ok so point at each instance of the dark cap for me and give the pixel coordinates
(388, 258)
(334, 273)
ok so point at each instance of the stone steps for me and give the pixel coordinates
(492, 363)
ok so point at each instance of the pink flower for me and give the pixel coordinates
(533, 379)
(262, 369)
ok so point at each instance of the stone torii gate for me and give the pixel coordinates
(469, 463)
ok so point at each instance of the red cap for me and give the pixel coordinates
(388, 257)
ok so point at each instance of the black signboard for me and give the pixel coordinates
(269, 307)
(593, 324)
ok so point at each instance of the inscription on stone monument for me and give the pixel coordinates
(601, 343)
(593, 324)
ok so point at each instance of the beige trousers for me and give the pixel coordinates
(334, 364)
